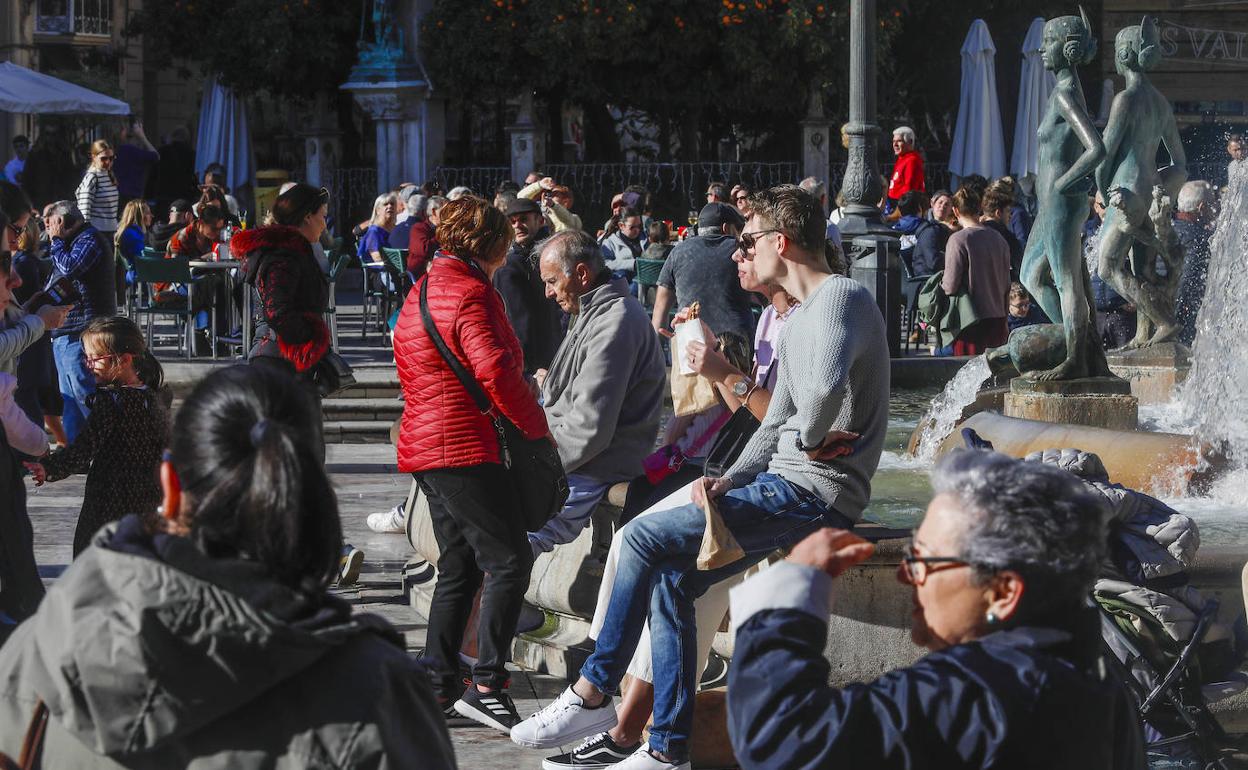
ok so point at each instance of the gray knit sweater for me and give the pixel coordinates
(834, 373)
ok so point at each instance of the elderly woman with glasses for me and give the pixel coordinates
(1000, 570)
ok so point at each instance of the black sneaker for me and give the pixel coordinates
(492, 709)
(595, 753)
(454, 718)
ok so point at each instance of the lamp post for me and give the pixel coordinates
(861, 185)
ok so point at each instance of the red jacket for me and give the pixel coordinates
(907, 175)
(441, 426)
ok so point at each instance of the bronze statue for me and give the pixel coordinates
(1070, 148)
(1139, 197)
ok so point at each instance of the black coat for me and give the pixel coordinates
(1015, 699)
(537, 319)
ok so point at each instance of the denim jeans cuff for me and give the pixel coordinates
(598, 679)
(675, 750)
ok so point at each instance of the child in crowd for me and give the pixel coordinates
(127, 430)
(1022, 311)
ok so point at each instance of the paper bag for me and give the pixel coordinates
(691, 393)
(719, 547)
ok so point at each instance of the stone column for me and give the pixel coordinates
(861, 186)
(396, 111)
(524, 141)
(816, 140)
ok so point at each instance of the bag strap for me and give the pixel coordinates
(32, 744)
(709, 432)
(466, 379)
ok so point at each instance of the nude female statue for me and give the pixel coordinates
(1137, 195)
(1070, 148)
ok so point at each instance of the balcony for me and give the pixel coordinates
(88, 18)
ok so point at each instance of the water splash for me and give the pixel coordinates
(1214, 398)
(947, 407)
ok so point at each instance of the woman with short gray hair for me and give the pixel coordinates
(1000, 569)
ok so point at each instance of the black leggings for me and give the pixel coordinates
(479, 530)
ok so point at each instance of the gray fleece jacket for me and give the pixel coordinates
(18, 331)
(604, 393)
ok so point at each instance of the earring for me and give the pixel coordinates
(160, 510)
(991, 619)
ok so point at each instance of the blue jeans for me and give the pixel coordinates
(658, 575)
(75, 380)
(584, 494)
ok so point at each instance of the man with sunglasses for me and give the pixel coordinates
(80, 253)
(700, 269)
(833, 383)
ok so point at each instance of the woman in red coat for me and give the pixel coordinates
(452, 451)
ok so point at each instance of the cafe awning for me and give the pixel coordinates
(23, 90)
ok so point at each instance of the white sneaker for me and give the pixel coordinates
(563, 721)
(642, 759)
(392, 522)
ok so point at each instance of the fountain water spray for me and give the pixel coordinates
(946, 409)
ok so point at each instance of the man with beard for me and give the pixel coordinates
(537, 320)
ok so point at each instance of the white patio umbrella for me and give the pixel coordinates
(1035, 83)
(23, 90)
(223, 136)
(978, 141)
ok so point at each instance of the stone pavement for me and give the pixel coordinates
(366, 480)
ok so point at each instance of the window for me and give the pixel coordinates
(75, 17)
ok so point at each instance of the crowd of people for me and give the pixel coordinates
(196, 611)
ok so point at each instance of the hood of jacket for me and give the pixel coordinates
(145, 640)
(909, 224)
(246, 245)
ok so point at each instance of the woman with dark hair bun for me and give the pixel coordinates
(204, 635)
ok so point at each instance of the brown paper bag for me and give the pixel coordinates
(691, 393)
(719, 547)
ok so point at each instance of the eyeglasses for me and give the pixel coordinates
(747, 241)
(109, 158)
(917, 568)
(740, 198)
(91, 360)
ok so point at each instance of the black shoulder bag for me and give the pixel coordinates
(735, 434)
(534, 466)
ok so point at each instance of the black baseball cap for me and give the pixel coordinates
(523, 206)
(717, 214)
(181, 205)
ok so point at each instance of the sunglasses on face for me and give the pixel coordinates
(747, 241)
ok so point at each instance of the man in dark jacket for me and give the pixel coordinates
(922, 241)
(1193, 224)
(80, 253)
(537, 320)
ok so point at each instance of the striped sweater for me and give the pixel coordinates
(97, 200)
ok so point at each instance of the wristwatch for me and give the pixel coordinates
(741, 388)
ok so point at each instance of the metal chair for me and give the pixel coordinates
(331, 312)
(648, 278)
(148, 271)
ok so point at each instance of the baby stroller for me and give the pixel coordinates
(1164, 638)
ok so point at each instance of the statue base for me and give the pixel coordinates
(1154, 371)
(1098, 402)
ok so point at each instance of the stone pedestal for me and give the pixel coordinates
(817, 141)
(1098, 402)
(392, 90)
(322, 144)
(524, 139)
(1153, 372)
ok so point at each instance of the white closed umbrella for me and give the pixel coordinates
(223, 136)
(978, 141)
(23, 90)
(1035, 84)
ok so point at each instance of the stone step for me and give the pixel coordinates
(357, 431)
(362, 409)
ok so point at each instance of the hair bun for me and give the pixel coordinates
(258, 432)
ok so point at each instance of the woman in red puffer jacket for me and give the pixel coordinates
(452, 451)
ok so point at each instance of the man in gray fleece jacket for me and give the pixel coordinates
(603, 394)
(792, 478)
